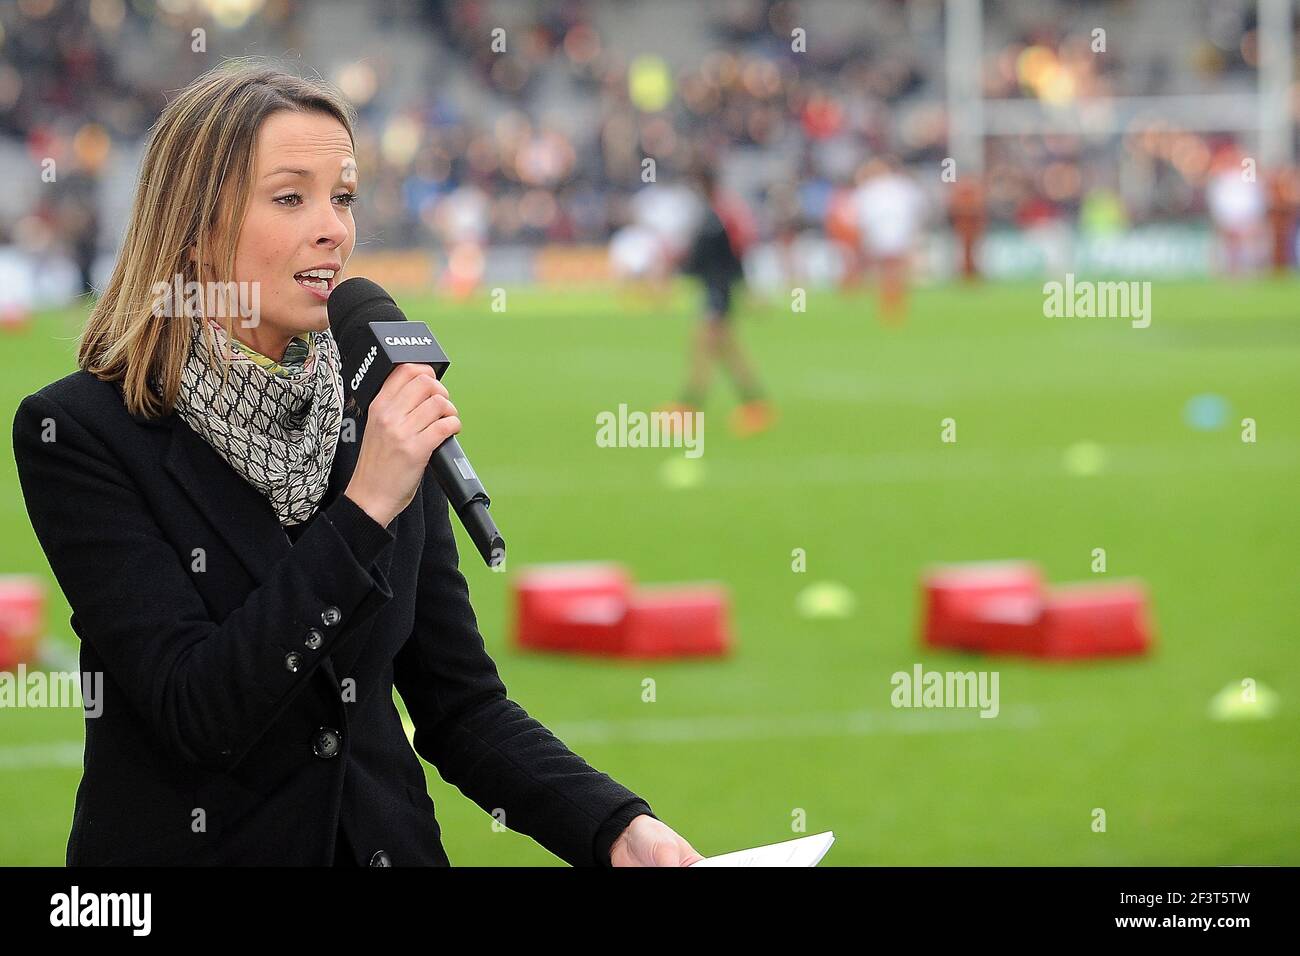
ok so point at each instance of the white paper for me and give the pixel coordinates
(805, 851)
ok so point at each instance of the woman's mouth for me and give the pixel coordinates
(318, 282)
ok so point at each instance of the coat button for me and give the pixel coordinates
(326, 743)
(331, 616)
(380, 859)
(314, 639)
(292, 660)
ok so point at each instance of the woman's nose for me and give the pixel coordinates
(333, 230)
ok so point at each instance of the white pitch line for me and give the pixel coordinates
(64, 753)
(765, 727)
(898, 468)
(677, 730)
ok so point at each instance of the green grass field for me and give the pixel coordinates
(798, 720)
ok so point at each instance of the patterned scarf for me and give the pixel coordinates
(277, 423)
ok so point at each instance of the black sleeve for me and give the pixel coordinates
(480, 741)
(364, 535)
(209, 689)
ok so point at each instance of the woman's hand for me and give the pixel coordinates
(650, 842)
(409, 418)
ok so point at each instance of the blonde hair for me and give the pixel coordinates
(193, 190)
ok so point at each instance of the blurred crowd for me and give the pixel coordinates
(553, 145)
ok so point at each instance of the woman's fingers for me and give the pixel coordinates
(429, 411)
(411, 416)
(410, 385)
(440, 431)
(689, 853)
(420, 388)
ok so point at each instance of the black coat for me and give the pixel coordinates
(247, 706)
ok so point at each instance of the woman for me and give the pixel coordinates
(248, 670)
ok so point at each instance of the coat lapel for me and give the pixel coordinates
(239, 512)
(345, 462)
(245, 519)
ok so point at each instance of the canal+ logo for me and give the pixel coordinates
(365, 367)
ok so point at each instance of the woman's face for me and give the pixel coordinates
(299, 219)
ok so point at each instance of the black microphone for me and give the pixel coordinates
(374, 337)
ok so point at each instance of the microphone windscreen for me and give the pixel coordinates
(352, 306)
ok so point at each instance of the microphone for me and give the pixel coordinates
(374, 337)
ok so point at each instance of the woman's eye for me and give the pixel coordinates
(295, 199)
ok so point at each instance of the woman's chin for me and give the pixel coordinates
(315, 318)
